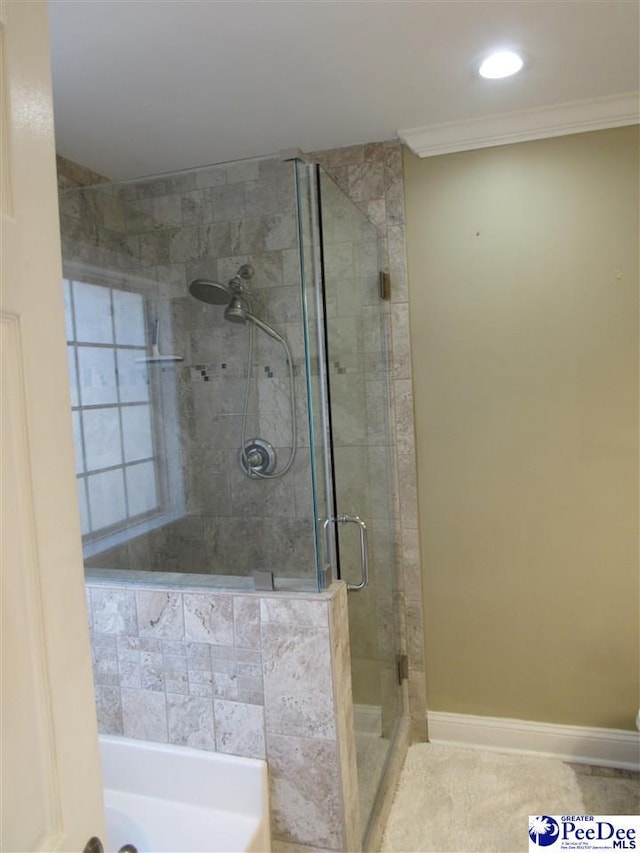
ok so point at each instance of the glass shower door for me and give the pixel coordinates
(356, 322)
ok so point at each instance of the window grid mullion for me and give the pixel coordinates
(108, 468)
(128, 405)
(83, 450)
(119, 406)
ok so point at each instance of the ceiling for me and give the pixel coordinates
(149, 86)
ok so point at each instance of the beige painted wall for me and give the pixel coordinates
(523, 276)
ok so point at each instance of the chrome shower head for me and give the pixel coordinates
(216, 293)
(234, 296)
(237, 310)
(211, 292)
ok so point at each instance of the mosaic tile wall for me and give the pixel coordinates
(264, 676)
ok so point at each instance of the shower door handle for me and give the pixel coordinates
(364, 550)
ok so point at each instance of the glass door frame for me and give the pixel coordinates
(379, 653)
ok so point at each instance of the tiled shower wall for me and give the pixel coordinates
(154, 237)
(371, 175)
(358, 334)
(265, 676)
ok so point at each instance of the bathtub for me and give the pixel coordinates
(164, 798)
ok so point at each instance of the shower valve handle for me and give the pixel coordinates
(254, 459)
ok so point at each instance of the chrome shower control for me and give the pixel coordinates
(257, 458)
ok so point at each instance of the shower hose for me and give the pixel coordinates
(252, 472)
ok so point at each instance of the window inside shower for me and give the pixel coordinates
(111, 409)
(123, 477)
(161, 478)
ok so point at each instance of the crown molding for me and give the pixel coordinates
(524, 125)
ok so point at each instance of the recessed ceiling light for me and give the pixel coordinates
(501, 64)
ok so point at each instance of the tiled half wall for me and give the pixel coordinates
(261, 675)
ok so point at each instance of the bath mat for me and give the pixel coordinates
(474, 801)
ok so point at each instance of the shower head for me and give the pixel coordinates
(237, 310)
(216, 293)
(212, 292)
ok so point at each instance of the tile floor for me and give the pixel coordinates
(606, 790)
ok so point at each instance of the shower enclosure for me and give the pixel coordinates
(229, 371)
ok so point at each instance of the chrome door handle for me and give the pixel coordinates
(364, 551)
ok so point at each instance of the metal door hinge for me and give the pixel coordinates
(402, 662)
(385, 285)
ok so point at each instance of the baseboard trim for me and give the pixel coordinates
(604, 747)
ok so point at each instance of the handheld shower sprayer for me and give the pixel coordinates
(237, 298)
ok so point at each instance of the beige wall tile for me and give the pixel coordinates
(305, 791)
(297, 680)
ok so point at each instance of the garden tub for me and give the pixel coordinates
(161, 798)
